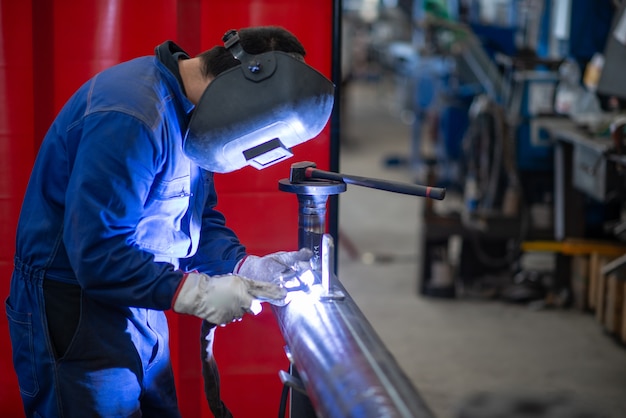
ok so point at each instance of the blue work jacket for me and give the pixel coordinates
(113, 204)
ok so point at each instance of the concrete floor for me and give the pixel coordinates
(454, 349)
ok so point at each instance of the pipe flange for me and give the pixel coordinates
(312, 187)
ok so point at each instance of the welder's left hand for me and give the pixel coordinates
(269, 268)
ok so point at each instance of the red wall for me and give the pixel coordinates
(16, 153)
(47, 49)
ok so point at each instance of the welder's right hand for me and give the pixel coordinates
(223, 299)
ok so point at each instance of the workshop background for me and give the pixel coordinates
(508, 293)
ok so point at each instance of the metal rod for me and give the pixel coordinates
(387, 185)
(328, 267)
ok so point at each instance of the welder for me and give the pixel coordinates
(119, 224)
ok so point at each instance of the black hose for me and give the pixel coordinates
(282, 409)
(487, 164)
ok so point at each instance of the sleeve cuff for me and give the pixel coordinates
(239, 264)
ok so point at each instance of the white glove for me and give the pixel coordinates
(223, 299)
(268, 268)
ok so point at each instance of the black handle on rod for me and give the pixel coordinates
(437, 193)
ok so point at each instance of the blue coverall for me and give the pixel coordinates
(113, 216)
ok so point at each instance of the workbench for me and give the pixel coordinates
(585, 167)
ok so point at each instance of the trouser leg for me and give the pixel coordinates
(75, 357)
(32, 352)
(118, 365)
(159, 392)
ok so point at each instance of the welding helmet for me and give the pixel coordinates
(254, 113)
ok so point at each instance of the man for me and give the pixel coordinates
(118, 221)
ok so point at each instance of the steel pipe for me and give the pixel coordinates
(346, 369)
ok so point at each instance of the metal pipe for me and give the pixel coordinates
(312, 224)
(345, 367)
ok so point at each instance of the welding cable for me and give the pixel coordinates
(493, 180)
(284, 395)
(488, 167)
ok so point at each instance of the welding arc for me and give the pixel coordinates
(437, 193)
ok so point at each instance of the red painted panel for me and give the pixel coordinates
(16, 158)
(90, 36)
(188, 26)
(249, 354)
(271, 232)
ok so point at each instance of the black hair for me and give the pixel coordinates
(255, 40)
